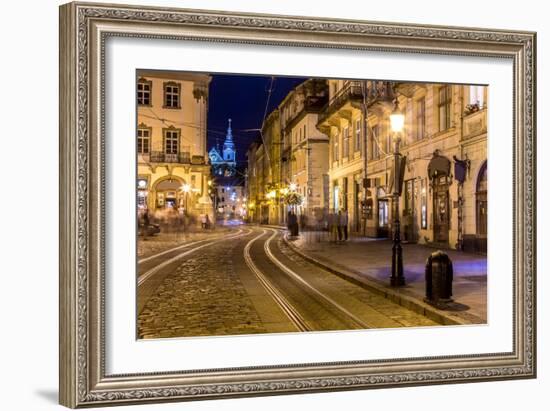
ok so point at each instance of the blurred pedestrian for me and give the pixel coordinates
(342, 225)
(345, 221)
(332, 227)
(293, 224)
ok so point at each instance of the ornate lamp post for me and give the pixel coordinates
(397, 120)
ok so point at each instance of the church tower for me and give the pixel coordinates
(229, 146)
(224, 163)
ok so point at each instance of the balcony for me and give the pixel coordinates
(376, 91)
(311, 104)
(475, 124)
(161, 157)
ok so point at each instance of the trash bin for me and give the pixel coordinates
(439, 278)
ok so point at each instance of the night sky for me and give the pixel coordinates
(243, 99)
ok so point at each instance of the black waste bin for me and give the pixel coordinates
(439, 278)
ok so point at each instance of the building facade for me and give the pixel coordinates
(173, 170)
(444, 143)
(306, 148)
(230, 198)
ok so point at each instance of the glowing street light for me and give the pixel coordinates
(293, 186)
(397, 120)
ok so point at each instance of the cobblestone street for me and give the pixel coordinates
(247, 281)
(204, 296)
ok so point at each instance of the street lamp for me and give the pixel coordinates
(397, 121)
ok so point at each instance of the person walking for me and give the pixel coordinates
(339, 226)
(342, 225)
(330, 226)
(293, 225)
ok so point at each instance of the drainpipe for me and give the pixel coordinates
(364, 114)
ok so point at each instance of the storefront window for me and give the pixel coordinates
(383, 210)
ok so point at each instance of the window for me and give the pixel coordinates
(144, 92)
(387, 146)
(375, 148)
(171, 95)
(305, 135)
(346, 142)
(476, 95)
(357, 145)
(171, 141)
(420, 119)
(408, 208)
(383, 213)
(143, 140)
(444, 107)
(336, 149)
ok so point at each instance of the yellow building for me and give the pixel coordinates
(173, 169)
(444, 197)
(256, 184)
(272, 162)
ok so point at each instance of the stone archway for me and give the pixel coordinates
(167, 192)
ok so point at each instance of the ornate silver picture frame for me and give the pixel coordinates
(84, 30)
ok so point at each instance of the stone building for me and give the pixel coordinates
(444, 142)
(230, 198)
(173, 170)
(257, 183)
(305, 148)
(272, 159)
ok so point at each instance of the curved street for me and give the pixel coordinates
(247, 280)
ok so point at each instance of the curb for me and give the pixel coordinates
(407, 301)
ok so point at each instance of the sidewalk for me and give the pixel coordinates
(367, 261)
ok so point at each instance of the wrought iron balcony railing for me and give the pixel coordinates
(355, 91)
(161, 157)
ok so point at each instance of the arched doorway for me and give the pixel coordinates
(439, 171)
(168, 193)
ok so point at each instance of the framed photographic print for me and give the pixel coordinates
(258, 204)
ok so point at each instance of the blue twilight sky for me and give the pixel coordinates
(243, 99)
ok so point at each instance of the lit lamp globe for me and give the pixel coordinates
(185, 188)
(397, 119)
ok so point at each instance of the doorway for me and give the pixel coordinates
(441, 210)
(383, 218)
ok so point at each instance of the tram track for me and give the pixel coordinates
(309, 287)
(288, 309)
(285, 289)
(203, 244)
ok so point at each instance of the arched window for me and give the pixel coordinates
(481, 201)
